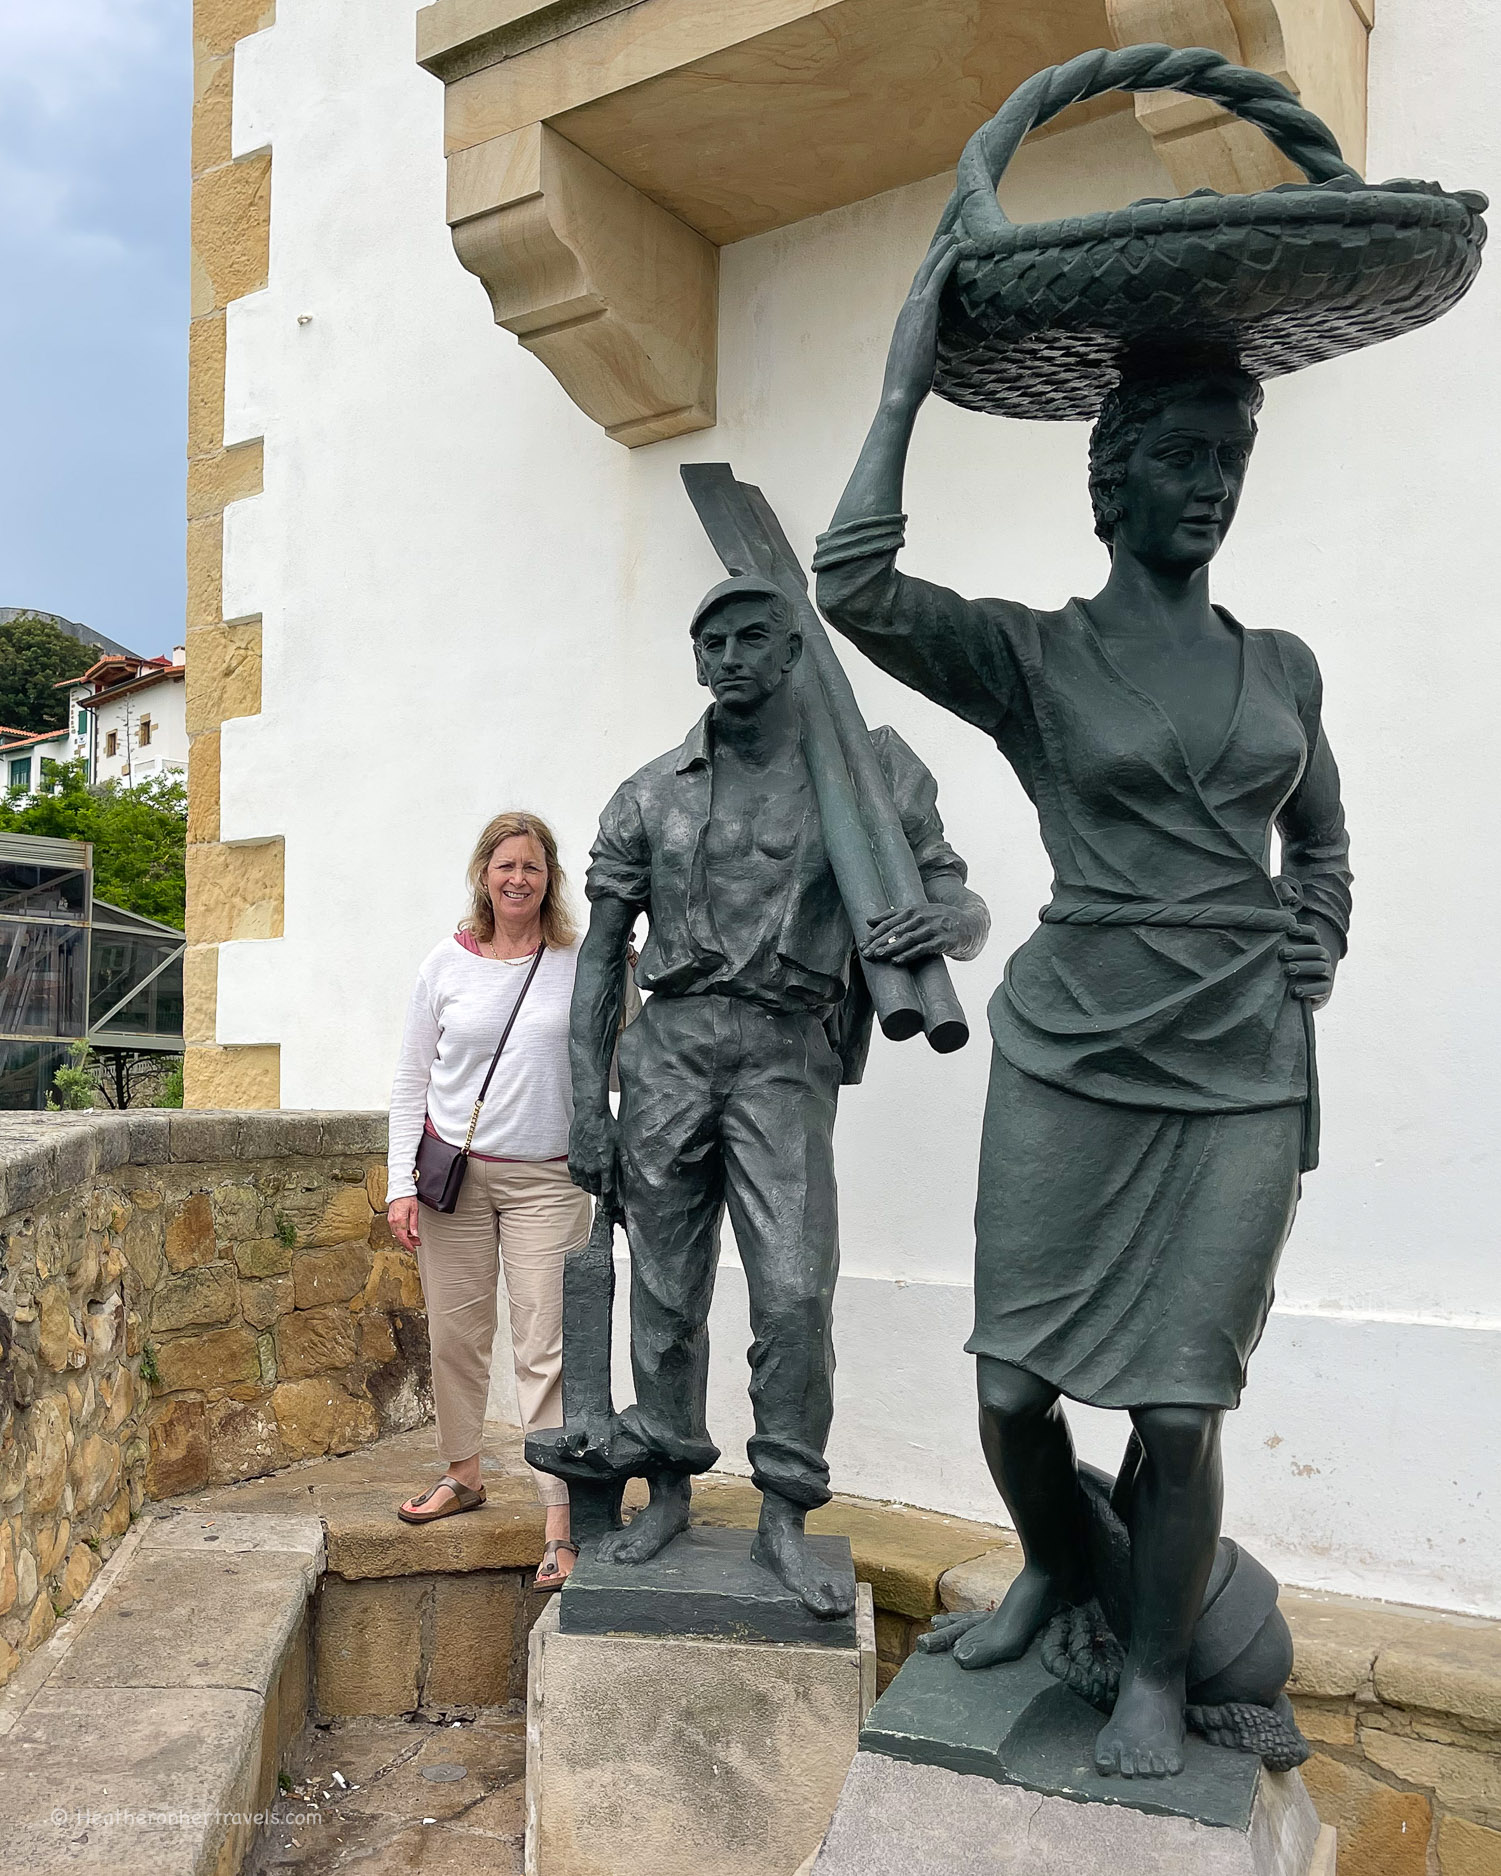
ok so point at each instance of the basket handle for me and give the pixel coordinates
(1252, 96)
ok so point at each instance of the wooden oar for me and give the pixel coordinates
(863, 834)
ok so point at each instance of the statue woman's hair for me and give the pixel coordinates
(1150, 381)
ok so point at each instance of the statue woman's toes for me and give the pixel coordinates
(948, 1627)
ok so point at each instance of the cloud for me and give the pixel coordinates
(69, 73)
(66, 54)
(37, 206)
(95, 97)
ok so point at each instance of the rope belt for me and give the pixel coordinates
(1171, 913)
(1166, 912)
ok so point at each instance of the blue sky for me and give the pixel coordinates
(95, 97)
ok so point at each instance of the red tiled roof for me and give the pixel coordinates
(148, 678)
(25, 738)
(127, 670)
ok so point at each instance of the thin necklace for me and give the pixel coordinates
(496, 958)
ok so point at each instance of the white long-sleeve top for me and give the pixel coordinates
(459, 1007)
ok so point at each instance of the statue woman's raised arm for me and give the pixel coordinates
(875, 488)
(953, 650)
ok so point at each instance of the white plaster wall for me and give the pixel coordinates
(447, 546)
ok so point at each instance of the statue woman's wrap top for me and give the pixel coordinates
(1154, 978)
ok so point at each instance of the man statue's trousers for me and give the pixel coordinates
(725, 1103)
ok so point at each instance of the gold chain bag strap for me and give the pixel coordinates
(440, 1167)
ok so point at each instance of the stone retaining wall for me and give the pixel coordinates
(185, 1300)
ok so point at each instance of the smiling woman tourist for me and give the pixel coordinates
(513, 957)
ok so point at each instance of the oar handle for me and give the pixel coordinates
(942, 1015)
(893, 990)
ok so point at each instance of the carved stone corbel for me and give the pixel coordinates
(1317, 48)
(619, 299)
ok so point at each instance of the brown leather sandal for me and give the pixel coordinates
(465, 1498)
(552, 1577)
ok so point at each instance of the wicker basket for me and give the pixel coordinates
(1036, 318)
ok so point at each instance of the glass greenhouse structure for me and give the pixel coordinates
(74, 968)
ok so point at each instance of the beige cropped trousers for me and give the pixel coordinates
(525, 1215)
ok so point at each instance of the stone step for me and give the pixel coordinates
(442, 1611)
(1403, 1705)
(146, 1738)
(410, 1617)
(901, 1552)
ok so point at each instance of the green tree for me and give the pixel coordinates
(73, 1086)
(139, 835)
(35, 657)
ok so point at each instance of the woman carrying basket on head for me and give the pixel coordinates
(507, 971)
(1152, 1101)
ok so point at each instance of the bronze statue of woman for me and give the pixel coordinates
(1151, 1103)
(1153, 1100)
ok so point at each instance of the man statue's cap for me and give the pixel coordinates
(742, 586)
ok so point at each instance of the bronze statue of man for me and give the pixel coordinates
(730, 1075)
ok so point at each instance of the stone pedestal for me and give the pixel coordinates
(655, 1753)
(703, 1584)
(991, 1773)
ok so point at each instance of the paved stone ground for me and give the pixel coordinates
(390, 1816)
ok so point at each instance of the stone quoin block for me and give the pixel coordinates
(235, 890)
(244, 1075)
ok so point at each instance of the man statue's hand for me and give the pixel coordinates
(914, 933)
(593, 1150)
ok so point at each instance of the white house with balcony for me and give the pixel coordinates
(127, 717)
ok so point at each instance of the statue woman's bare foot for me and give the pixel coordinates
(781, 1546)
(654, 1528)
(1027, 1607)
(1144, 1735)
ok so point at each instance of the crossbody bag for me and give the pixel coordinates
(440, 1167)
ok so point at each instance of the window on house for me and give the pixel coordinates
(143, 735)
(20, 772)
(83, 723)
(112, 742)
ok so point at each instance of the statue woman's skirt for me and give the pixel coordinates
(1126, 1254)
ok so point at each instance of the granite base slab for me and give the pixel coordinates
(655, 1755)
(896, 1818)
(992, 1770)
(1014, 1723)
(703, 1583)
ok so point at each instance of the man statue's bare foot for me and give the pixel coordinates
(652, 1529)
(1032, 1601)
(1144, 1736)
(781, 1546)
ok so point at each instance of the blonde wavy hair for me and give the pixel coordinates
(558, 926)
